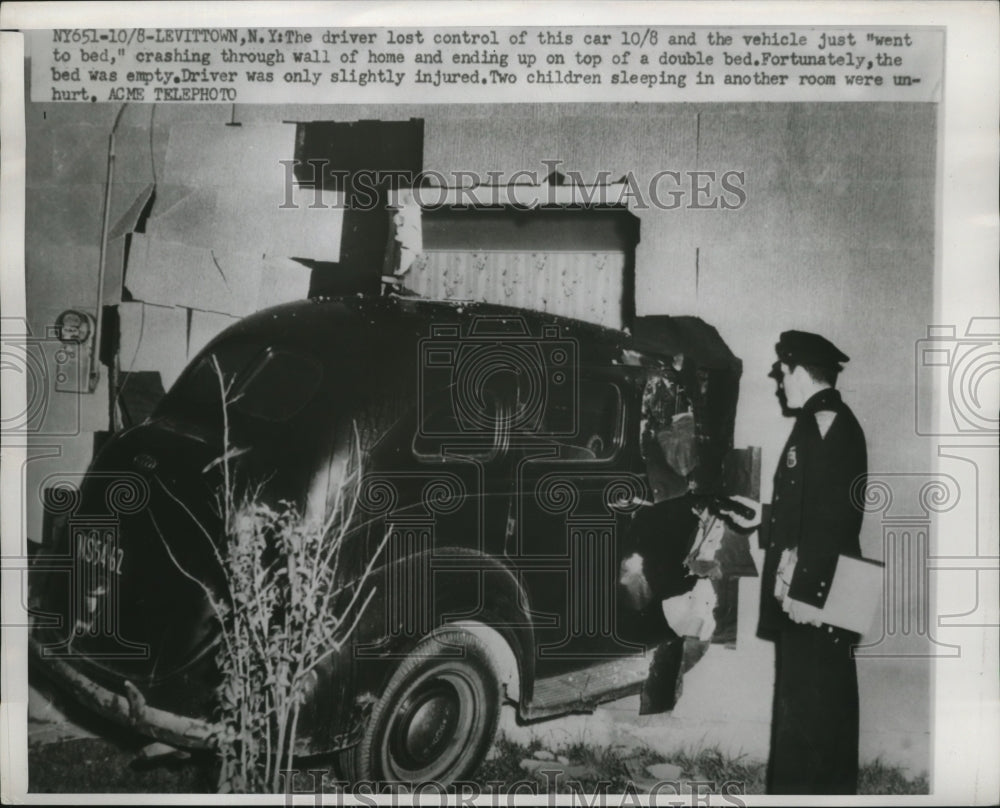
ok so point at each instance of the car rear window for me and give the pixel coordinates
(278, 386)
(266, 383)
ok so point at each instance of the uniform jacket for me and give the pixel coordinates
(816, 485)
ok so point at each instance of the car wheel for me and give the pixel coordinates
(437, 717)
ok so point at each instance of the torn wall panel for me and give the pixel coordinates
(138, 394)
(114, 270)
(129, 219)
(152, 338)
(172, 274)
(168, 194)
(282, 281)
(119, 237)
(302, 223)
(185, 215)
(205, 325)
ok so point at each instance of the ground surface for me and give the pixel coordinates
(72, 753)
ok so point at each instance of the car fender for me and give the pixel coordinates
(497, 613)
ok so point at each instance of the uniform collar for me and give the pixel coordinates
(826, 399)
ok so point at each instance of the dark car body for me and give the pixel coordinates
(501, 453)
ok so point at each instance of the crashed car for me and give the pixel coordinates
(507, 455)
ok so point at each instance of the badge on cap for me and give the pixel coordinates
(791, 460)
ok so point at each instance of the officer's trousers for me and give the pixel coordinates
(814, 730)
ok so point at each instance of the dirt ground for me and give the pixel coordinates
(74, 752)
(112, 765)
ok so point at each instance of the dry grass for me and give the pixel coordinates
(709, 767)
(110, 766)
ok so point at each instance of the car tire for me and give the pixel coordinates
(435, 720)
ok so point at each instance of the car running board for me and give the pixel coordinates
(584, 690)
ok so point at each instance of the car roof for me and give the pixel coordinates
(311, 324)
(315, 324)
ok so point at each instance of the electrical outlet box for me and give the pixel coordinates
(73, 340)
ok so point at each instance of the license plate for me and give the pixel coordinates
(99, 547)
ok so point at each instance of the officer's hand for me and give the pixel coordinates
(797, 612)
(747, 523)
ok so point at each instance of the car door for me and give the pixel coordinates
(574, 498)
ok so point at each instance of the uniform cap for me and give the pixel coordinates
(803, 348)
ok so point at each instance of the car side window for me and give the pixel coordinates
(599, 423)
(441, 434)
(596, 415)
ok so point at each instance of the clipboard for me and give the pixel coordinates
(855, 592)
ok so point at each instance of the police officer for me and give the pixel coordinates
(814, 733)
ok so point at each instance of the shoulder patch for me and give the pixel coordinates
(824, 420)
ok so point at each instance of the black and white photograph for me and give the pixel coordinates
(596, 403)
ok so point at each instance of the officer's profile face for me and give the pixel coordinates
(779, 388)
(793, 383)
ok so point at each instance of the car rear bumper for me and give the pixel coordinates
(129, 709)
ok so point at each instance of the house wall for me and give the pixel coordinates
(836, 236)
